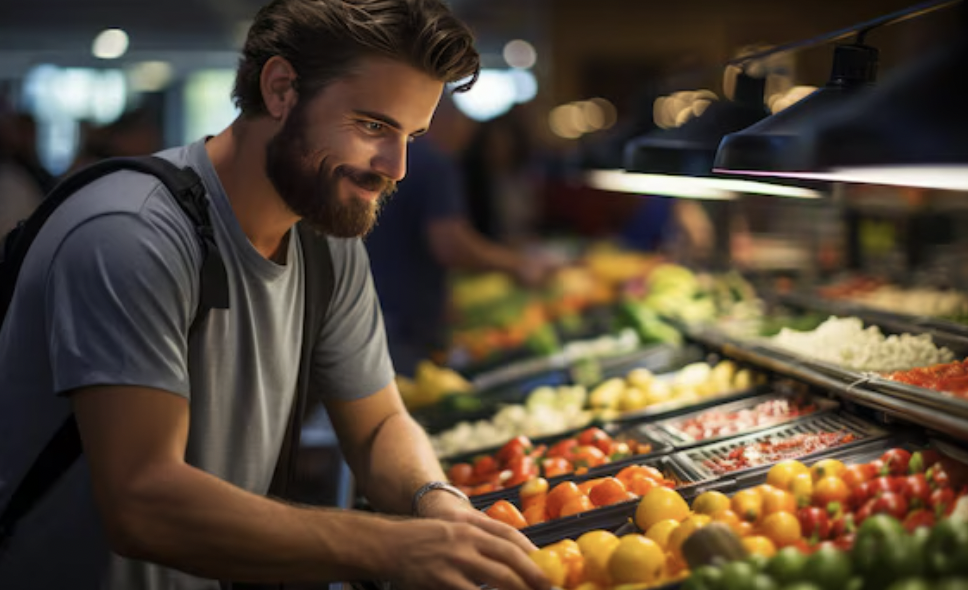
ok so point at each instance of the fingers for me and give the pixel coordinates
(524, 569)
(502, 530)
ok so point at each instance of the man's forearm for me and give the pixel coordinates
(190, 520)
(398, 461)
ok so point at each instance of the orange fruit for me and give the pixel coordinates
(826, 468)
(641, 485)
(710, 503)
(586, 486)
(551, 564)
(559, 496)
(660, 504)
(576, 506)
(802, 489)
(574, 561)
(535, 514)
(597, 547)
(730, 519)
(830, 489)
(759, 545)
(748, 505)
(778, 501)
(608, 492)
(690, 525)
(781, 474)
(745, 529)
(660, 531)
(782, 528)
(636, 560)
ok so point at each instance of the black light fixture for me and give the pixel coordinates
(911, 131)
(678, 162)
(775, 143)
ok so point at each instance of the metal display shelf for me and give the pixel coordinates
(850, 386)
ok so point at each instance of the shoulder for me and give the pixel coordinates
(349, 258)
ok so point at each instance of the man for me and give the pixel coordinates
(181, 435)
(423, 232)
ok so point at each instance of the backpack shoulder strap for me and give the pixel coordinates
(319, 283)
(186, 186)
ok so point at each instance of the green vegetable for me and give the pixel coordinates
(883, 553)
(706, 577)
(828, 568)
(786, 566)
(738, 575)
(946, 550)
(543, 341)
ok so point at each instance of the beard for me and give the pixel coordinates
(309, 185)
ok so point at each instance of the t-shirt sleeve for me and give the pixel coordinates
(119, 300)
(351, 358)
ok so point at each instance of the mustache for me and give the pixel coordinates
(370, 181)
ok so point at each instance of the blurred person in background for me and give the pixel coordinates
(20, 190)
(423, 233)
(134, 133)
(181, 434)
(24, 150)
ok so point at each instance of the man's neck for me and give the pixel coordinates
(238, 155)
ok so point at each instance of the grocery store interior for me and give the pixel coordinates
(708, 314)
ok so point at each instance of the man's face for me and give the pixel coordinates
(339, 155)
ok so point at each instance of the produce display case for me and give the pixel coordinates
(762, 412)
(802, 440)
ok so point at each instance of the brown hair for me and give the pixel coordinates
(324, 39)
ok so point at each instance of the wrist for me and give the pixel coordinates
(436, 497)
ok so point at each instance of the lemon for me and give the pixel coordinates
(684, 531)
(551, 564)
(660, 503)
(636, 560)
(660, 531)
(782, 474)
(597, 548)
(710, 503)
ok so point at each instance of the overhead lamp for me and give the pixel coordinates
(678, 162)
(913, 131)
(110, 44)
(775, 144)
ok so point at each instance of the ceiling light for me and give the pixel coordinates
(520, 54)
(110, 44)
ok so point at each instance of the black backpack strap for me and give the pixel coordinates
(319, 283)
(63, 449)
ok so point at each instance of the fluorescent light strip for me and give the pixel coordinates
(689, 187)
(952, 177)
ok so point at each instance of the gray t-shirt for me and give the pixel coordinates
(106, 296)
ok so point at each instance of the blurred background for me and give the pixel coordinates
(566, 85)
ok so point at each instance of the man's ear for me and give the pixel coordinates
(278, 85)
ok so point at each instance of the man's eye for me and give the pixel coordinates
(373, 126)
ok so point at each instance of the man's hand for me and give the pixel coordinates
(458, 548)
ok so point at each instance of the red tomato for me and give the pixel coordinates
(522, 469)
(841, 526)
(460, 474)
(855, 475)
(882, 485)
(590, 435)
(555, 466)
(866, 510)
(605, 445)
(846, 542)
(916, 490)
(917, 519)
(514, 448)
(563, 448)
(942, 501)
(895, 462)
(892, 504)
(589, 457)
(861, 494)
(938, 476)
(814, 524)
(485, 466)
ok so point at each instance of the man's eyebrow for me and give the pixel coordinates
(387, 120)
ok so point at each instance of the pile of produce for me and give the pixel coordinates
(885, 556)
(519, 460)
(568, 498)
(948, 378)
(430, 385)
(774, 448)
(716, 422)
(547, 411)
(917, 301)
(641, 389)
(880, 522)
(676, 292)
(846, 342)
